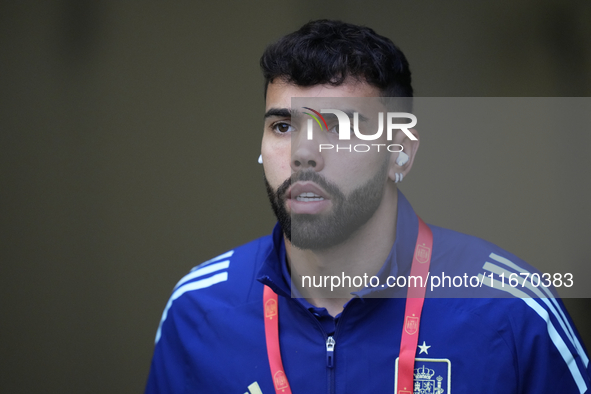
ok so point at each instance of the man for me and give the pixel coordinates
(247, 322)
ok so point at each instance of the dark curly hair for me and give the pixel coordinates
(328, 52)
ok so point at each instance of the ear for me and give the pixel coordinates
(409, 147)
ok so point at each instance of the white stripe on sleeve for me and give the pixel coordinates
(203, 271)
(226, 255)
(562, 318)
(554, 335)
(200, 284)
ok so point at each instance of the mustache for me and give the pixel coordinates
(311, 176)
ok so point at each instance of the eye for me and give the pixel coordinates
(282, 128)
(335, 129)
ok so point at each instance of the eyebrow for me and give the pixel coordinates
(278, 112)
(350, 115)
(286, 113)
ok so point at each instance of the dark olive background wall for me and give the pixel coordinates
(129, 133)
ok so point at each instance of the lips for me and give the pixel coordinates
(307, 198)
(306, 192)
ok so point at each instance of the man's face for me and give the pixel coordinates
(319, 198)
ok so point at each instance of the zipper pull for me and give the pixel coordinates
(330, 343)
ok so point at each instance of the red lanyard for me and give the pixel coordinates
(415, 298)
(272, 335)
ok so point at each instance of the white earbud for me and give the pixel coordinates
(402, 159)
(260, 159)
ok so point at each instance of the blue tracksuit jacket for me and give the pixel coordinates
(211, 338)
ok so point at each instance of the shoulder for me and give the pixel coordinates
(460, 253)
(512, 298)
(450, 243)
(225, 281)
(226, 275)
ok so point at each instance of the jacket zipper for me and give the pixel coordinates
(330, 355)
(330, 343)
(330, 348)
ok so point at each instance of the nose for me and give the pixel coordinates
(305, 154)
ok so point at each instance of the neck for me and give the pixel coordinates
(362, 255)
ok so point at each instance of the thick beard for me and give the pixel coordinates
(323, 231)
